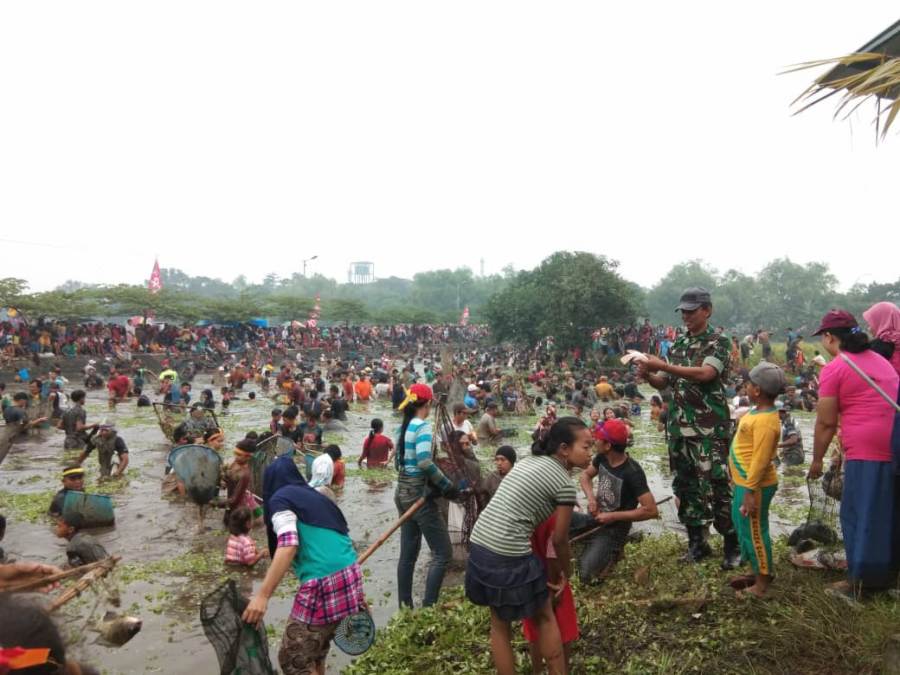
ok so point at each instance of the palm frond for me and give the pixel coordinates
(857, 78)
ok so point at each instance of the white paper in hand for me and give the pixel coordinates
(633, 356)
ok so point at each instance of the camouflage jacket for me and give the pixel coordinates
(700, 409)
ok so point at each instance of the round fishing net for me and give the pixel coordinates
(242, 649)
(199, 468)
(355, 633)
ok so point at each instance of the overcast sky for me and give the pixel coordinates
(240, 138)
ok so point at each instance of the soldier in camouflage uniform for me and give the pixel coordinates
(698, 426)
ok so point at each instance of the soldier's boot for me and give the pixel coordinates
(698, 549)
(732, 558)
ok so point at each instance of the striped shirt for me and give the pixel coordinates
(527, 496)
(417, 457)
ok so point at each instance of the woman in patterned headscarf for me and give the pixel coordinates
(884, 320)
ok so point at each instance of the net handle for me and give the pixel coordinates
(393, 528)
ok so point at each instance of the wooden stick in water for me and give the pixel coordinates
(53, 578)
(97, 573)
(384, 537)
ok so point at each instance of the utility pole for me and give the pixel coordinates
(482, 267)
(306, 260)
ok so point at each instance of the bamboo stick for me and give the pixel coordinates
(594, 530)
(53, 578)
(83, 583)
(384, 537)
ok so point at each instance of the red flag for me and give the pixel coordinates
(155, 284)
(314, 315)
(464, 319)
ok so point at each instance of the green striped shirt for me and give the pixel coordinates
(527, 496)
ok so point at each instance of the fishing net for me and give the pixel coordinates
(356, 633)
(199, 468)
(462, 469)
(242, 649)
(266, 452)
(822, 526)
(167, 420)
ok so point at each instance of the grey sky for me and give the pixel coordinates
(238, 138)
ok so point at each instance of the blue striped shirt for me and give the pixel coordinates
(417, 458)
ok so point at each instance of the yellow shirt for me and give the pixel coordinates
(605, 390)
(753, 449)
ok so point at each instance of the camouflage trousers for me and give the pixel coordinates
(700, 481)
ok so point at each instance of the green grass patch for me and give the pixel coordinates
(28, 506)
(386, 474)
(632, 627)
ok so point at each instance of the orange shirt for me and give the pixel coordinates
(363, 390)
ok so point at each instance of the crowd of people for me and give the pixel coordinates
(727, 427)
(22, 338)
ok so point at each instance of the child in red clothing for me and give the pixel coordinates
(563, 600)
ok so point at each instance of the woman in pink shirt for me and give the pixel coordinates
(866, 421)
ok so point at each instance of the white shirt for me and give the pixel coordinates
(466, 427)
(284, 522)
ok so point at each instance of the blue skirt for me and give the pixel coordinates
(515, 588)
(867, 510)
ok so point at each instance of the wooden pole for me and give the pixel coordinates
(97, 573)
(53, 578)
(594, 530)
(384, 537)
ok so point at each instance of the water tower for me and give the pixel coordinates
(361, 273)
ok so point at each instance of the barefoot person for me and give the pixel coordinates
(752, 465)
(866, 422)
(502, 571)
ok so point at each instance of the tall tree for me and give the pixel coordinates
(566, 296)
(794, 295)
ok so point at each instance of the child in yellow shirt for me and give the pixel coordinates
(751, 461)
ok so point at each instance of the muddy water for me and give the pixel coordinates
(169, 563)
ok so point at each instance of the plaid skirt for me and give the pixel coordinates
(329, 599)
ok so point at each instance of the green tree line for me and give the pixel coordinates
(566, 296)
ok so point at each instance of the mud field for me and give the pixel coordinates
(169, 563)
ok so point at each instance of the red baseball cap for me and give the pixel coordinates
(836, 318)
(612, 431)
(422, 391)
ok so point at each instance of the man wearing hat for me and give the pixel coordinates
(504, 460)
(698, 425)
(471, 397)
(622, 497)
(72, 479)
(108, 442)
